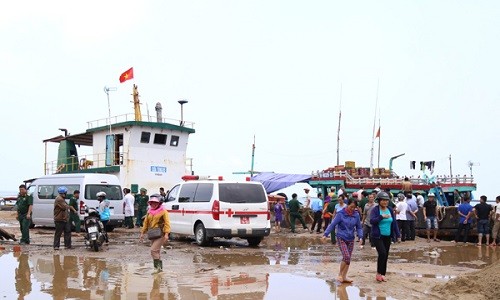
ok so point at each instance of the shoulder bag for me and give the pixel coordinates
(157, 232)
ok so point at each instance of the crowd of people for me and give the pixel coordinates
(383, 219)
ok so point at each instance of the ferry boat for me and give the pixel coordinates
(142, 151)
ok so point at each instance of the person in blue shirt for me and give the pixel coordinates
(465, 220)
(317, 208)
(384, 228)
(347, 221)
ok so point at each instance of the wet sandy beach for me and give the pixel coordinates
(291, 266)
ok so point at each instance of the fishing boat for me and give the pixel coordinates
(353, 179)
(142, 151)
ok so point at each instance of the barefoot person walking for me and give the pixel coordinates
(384, 227)
(347, 221)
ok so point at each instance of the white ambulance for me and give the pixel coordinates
(217, 208)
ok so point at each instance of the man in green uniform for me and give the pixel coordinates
(142, 206)
(24, 206)
(74, 217)
(295, 205)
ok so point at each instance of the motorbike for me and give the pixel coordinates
(95, 235)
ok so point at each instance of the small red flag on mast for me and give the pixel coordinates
(129, 74)
(378, 133)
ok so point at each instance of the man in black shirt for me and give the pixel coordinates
(482, 212)
(430, 215)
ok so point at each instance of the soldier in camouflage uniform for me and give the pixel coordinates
(24, 206)
(74, 217)
(142, 206)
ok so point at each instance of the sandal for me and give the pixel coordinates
(437, 240)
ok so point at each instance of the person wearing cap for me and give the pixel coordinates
(156, 217)
(73, 216)
(104, 211)
(384, 229)
(61, 219)
(24, 205)
(430, 216)
(142, 206)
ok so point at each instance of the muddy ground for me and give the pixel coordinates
(417, 269)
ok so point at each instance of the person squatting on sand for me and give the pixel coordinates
(347, 221)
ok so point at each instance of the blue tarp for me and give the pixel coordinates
(277, 181)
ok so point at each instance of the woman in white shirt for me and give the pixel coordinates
(401, 208)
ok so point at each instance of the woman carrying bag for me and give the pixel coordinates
(157, 227)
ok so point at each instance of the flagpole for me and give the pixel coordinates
(373, 131)
(338, 129)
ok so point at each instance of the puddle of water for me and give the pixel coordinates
(26, 276)
(467, 256)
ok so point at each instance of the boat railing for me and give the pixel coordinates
(393, 180)
(329, 174)
(85, 162)
(131, 117)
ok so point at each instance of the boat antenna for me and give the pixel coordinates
(338, 128)
(107, 90)
(373, 131)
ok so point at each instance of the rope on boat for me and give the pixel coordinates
(441, 212)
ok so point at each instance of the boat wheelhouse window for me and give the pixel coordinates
(174, 141)
(145, 137)
(160, 139)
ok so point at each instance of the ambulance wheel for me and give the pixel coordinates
(201, 235)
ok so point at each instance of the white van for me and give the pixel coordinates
(209, 208)
(44, 192)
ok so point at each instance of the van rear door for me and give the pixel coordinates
(243, 206)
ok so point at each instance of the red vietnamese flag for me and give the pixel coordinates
(378, 133)
(129, 74)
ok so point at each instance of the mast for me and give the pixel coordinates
(373, 131)
(378, 134)
(253, 156)
(137, 103)
(338, 128)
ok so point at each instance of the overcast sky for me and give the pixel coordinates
(272, 69)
